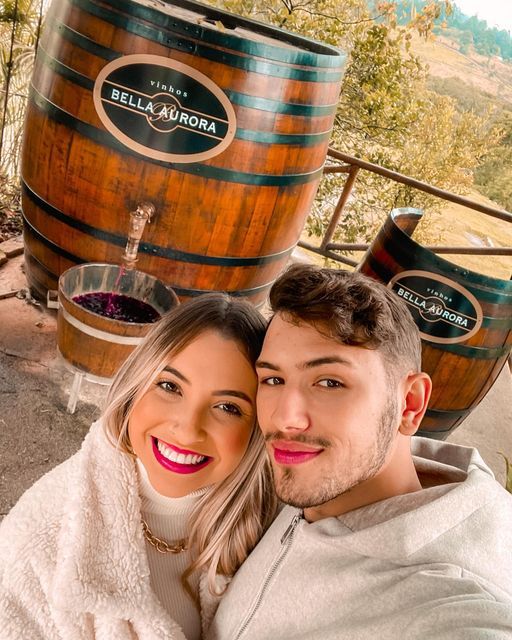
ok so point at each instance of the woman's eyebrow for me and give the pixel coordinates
(176, 373)
(233, 392)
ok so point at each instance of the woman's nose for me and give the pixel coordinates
(189, 426)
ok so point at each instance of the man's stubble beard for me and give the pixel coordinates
(289, 484)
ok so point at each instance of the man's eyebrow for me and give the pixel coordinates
(176, 373)
(308, 364)
(233, 392)
(262, 364)
(317, 362)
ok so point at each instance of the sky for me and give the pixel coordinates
(497, 13)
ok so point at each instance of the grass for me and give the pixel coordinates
(460, 226)
(491, 75)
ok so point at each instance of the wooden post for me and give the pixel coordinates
(347, 190)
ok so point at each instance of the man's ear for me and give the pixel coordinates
(417, 389)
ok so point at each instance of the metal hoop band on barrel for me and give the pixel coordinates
(97, 333)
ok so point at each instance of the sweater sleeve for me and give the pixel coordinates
(27, 536)
(475, 618)
(18, 620)
(23, 605)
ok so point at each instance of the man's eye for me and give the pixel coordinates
(167, 385)
(329, 383)
(230, 408)
(272, 381)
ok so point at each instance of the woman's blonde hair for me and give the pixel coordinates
(231, 517)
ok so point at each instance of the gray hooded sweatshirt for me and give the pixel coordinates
(431, 565)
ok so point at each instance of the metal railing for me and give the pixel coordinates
(351, 166)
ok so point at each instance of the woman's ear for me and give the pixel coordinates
(417, 389)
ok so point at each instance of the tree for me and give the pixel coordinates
(466, 41)
(20, 22)
(386, 114)
(494, 175)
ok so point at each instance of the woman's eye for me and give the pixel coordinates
(330, 383)
(230, 408)
(169, 386)
(272, 381)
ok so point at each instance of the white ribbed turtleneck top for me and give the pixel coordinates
(168, 519)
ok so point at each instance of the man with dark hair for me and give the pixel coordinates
(385, 536)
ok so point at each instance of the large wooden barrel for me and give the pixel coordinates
(465, 319)
(222, 123)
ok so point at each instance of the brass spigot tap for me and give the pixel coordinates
(138, 218)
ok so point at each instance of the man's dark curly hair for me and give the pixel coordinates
(350, 308)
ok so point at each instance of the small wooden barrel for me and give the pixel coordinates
(465, 319)
(222, 123)
(93, 343)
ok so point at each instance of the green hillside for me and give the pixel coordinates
(482, 84)
(476, 80)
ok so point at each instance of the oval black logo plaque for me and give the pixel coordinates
(444, 310)
(164, 109)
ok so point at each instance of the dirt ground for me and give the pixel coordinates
(37, 433)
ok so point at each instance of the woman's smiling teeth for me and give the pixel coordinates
(179, 458)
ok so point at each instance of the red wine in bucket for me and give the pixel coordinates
(117, 306)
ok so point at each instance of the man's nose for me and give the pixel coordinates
(291, 411)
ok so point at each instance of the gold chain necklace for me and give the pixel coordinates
(161, 545)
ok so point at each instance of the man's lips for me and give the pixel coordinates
(290, 452)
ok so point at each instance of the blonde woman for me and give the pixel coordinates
(170, 489)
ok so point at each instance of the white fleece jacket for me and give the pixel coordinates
(73, 562)
(430, 565)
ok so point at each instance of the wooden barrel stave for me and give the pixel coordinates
(270, 153)
(258, 158)
(472, 379)
(476, 382)
(42, 263)
(227, 77)
(73, 195)
(129, 17)
(277, 232)
(191, 275)
(310, 131)
(73, 99)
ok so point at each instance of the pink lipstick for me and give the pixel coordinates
(288, 452)
(178, 460)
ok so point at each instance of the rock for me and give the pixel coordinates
(3, 257)
(12, 247)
